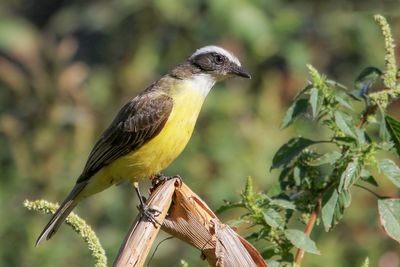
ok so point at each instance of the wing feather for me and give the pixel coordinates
(136, 123)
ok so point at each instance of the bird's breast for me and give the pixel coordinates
(159, 152)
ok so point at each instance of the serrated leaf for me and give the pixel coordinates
(295, 110)
(345, 124)
(345, 199)
(290, 150)
(283, 203)
(393, 127)
(333, 206)
(391, 171)
(303, 91)
(362, 136)
(302, 241)
(389, 215)
(350, 175)
(342, 101)
(328, 210)
(273, 218)
(327, 158)
(314, 101)
(336, 84)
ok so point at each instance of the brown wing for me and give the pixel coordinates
(136, 123)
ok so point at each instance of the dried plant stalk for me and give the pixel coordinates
(192, 221)
(137, 243)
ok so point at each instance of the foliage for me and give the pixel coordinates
(323, 173)
(78, 225)
(67, 66)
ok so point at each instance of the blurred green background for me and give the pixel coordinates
(67, 66)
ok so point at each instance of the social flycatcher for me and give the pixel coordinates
(151, 130)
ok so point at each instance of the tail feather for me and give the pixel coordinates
(61, 214)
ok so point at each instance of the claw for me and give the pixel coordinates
(147, 213)
(160, 178)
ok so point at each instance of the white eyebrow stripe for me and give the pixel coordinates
(216, 49)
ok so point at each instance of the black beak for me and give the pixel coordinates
(239, 71)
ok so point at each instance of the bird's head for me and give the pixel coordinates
(217, 62)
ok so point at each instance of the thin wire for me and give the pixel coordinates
(155, 250)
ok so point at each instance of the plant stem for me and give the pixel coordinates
(308, 229)
(370, 110)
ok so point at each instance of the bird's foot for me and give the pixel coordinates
(148, 213)
(160, 178)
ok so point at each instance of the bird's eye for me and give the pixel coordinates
(218, 59)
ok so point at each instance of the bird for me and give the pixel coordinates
(151, 129)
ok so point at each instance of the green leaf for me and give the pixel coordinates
(272, 263)
(283, 203)
(333, 206)
(290, 150)
(393, 126)
(389, 215)
(273, 218)
(341, 98)
(362, 136)
(269, 252)
(365, 263)
(302, 241)
(345, 139)
(236, 222)
(345, 199)
(367, 177)
(384, 134)
(328, 210)
(298, 174)
(350, 175)
(391, 171)
(303, 91)
(336, 84)
(327, 158)
(314, 101)
(228, 206)
(345, 123)
(295, 110)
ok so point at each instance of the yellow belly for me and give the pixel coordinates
(159, 152)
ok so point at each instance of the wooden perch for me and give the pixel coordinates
(191, 220)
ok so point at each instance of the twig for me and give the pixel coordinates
(308, 230)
